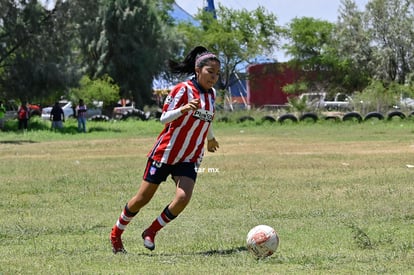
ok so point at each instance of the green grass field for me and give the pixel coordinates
(340, 196)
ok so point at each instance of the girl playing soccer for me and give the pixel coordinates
(187, 113)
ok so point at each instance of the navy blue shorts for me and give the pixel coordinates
(157, 172)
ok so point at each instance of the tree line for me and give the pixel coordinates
(122, 45)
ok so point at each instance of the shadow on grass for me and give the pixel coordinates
(74, 130)
(16, 142)
(102, 129)
(214, 252)
(222, 252)
(40, 125)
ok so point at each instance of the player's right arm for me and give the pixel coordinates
(176, 104)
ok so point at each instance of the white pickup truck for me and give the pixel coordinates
(319, 101)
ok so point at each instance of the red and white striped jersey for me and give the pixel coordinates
(182, 140)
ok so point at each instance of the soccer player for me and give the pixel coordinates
(187, 113)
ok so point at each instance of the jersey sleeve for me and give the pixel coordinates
(168, 116)
(175, 99)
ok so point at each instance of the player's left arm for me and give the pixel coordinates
(212, 144)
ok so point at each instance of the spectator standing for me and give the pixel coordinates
(23, 116)
(57, 116)
(81, 110)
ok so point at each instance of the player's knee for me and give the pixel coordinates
(183, 198)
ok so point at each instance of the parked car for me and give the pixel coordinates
(12, 107)
(125, 112)
(68, 109)
(35, 109)
(66, 106)
(340, 102)
(407, 103)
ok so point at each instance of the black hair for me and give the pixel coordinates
(187, 66)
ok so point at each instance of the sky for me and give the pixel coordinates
(284, 10)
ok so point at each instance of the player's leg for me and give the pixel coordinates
(145, 193)
(183, 193)
(154, 174)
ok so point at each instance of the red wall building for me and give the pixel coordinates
(265, 83)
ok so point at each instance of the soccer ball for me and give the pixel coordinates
(262, 241)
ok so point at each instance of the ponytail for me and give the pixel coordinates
(198, 56)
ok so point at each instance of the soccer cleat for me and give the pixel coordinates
(149, 239)
(116, 242)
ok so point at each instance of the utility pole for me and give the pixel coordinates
(210, 8)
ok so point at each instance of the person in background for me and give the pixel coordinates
(2, 114)
(187, 116)
(23, 116)
(57, 116)
(81, 110)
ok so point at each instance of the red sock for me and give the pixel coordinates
(123, 220)
(163, 219)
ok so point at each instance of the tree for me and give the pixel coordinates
(308, 41)
(135, 39)
(352, 44)
(35, 53)
(391, 28)
(311, 45)
(101, 89)
(237, 36)
(378, 42)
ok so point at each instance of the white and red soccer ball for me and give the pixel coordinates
(262, 241)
